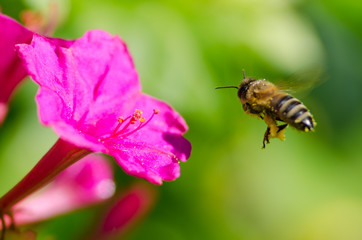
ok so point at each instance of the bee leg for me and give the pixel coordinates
(266, 137)
(281, 127)
(280, 131)
(261, 115)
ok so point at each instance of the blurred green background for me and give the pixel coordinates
(306, 187)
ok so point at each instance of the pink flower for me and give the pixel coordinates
(91, 96)
(89, 181)
(12, 71)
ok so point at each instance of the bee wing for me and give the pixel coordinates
(301, 82)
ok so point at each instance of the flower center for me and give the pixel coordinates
(124, 127)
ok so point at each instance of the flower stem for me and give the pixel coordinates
(59, 157)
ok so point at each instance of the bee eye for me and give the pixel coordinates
(242, 93)
(244, 89)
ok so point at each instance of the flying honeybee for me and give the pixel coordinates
(265, 100)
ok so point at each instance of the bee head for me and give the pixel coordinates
(243, 89)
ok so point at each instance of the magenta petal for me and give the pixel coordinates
(88, 181)
(141, 161)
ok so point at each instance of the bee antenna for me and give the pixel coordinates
(244, 73)
(227, 87)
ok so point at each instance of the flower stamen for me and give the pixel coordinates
(121, 120)
(143, 123)
(132, 119)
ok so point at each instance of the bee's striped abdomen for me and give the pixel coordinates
(293, 112)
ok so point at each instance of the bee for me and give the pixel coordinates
(265, 100)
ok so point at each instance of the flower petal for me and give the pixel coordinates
(144, 162)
